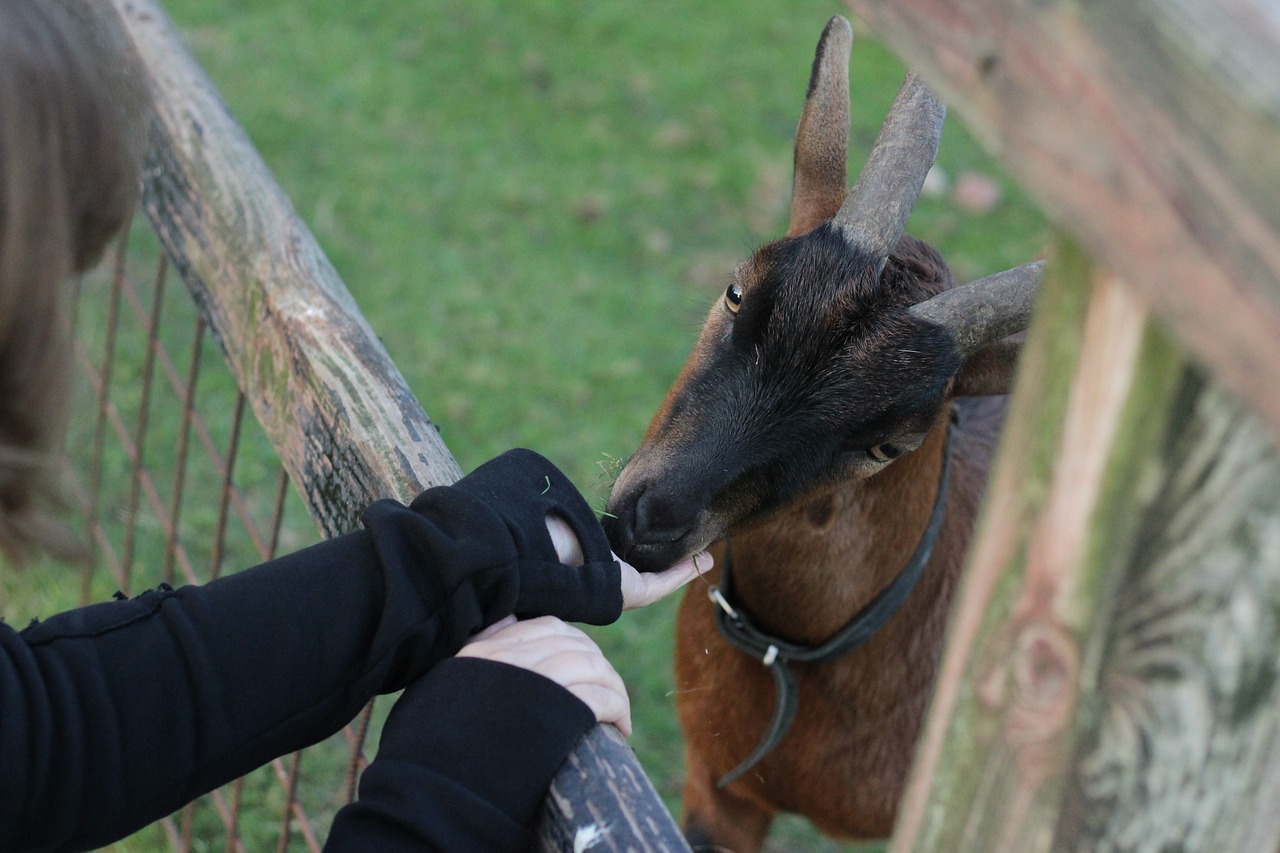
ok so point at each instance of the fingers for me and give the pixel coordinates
(558, 651)
(568, 548)
(643, 588)
(528, 644)
(608, 705)
(638, 588)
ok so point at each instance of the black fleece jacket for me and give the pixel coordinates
(116, 714)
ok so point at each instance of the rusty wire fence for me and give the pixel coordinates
(233, 405)
(178, 484)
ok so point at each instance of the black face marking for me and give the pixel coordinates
(821, 364)
(820, 361)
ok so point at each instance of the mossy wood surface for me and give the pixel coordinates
(341, 417)
(1110, 677)
(335, 407)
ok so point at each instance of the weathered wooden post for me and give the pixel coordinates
(1110, 681)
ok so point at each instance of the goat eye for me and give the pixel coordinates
(733, 298)
(885, 452)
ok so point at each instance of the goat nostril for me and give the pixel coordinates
(643, 515)
(619, 532)
(655, 522)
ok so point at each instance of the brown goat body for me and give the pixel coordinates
(804, 441)
(801, 573)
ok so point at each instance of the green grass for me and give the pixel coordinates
(534, 204)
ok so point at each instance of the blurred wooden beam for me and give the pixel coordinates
(1109, 681)
(1149, 129)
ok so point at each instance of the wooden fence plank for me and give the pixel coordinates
(1110, 679)
(1148, 129)
(580, 812)
(339, 413)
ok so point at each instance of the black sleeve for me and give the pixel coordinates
(465, 761)
(116, 714)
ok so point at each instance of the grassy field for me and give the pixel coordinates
(534, 204)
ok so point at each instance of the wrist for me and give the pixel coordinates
(498, 730)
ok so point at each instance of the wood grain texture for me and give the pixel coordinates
(992, 758)
(1177, 752)
(1149, 129)
(578, 815)
(336, 409)
(1110, 681)
(339, 413)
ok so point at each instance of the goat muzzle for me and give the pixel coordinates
(650, 530)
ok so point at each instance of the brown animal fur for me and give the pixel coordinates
(844, 763)
(70, 143)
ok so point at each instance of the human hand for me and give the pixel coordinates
(638, 588)
(558, 651)
(568, 549)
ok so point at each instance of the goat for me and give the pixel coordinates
(808, 438)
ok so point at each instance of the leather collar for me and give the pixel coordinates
(776, 653)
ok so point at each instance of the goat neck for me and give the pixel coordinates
(805, 570)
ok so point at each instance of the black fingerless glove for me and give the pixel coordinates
(524, 488)
(479, 550)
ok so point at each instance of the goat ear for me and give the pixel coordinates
(822, 138)
(989, 371)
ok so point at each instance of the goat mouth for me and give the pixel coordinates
(658, 556)
(647, 531)
(655, 557)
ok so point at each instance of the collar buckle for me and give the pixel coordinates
(717, 596)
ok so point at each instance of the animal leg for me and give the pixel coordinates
(716, 820)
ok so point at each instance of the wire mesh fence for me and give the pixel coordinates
(178, 484)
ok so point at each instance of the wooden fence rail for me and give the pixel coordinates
(335, 408)
(1110, 681)
(1149, 129)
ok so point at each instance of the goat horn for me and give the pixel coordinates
(822, 138)
(982, 312)
(876, 209)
